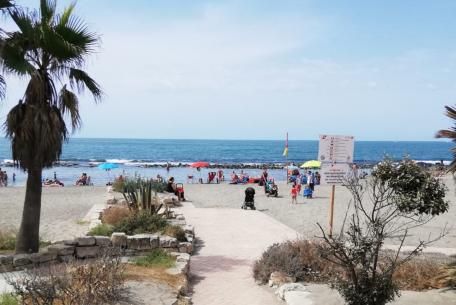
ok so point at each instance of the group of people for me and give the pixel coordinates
(242, 178)
(53, 182)
(4, 178)
(308, 180)
(83, 180)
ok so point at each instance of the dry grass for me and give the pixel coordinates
(114, 215)
(139, 273)
(417, 274)
(299, 259)
(175, 231)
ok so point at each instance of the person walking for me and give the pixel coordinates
(311, 180)
(294, 194)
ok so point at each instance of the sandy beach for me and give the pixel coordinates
(304, 216)
(63, 207)
(61, 212)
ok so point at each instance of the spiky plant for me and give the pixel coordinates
(450, 134)
(50, 50)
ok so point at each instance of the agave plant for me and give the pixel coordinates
(450, 134)
(141, 195)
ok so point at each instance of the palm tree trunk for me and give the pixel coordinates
(28, 239)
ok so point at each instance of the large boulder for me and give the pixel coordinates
(139, 242)
(43, 257)
(278, 278)
(86, 241)
(20, 260)
(61, 249)
(119, 239)
(102, 241)
(87, 252)
(286, 288)
(168, 242)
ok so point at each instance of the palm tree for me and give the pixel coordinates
(49, 49)
(450, 134)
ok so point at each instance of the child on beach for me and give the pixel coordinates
(294, 194)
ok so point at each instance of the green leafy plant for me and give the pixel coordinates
(397, 197)
(8, 299)
(157, 258)
(141, 222)
(101, 230)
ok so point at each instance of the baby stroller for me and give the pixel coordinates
(249, 201)
(271, 189)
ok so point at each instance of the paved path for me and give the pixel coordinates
(231, 239)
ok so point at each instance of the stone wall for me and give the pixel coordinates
(92, 246)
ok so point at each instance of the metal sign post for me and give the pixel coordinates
(335, 154)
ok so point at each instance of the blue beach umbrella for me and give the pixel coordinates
(108, 166)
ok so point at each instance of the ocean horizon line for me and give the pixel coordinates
(258, 140)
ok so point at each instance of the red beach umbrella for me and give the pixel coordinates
(199, 164)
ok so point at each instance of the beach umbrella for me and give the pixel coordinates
(199, 164)
(292, 167)
(311, 164)
(108, 166)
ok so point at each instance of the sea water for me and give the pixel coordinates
(134, 156)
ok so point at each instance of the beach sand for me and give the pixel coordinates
(61, 212)
(304, 216)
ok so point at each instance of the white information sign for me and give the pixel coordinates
(334, 173)
(336, 149)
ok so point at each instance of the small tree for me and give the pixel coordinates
(397, 198)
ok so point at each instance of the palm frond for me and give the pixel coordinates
(65, 16)
(450, 112)
(47, 10)
(69, 105)
(6, 4)
(13, 54)
(76, 33)
(80, 79)
(24, 22)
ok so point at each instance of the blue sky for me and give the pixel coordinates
(378, 70)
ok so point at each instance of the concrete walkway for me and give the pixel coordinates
(231, 240)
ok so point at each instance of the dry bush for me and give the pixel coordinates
(93, 282)
(299, 259)
(417, 274)
(175, 231)
(114, 215)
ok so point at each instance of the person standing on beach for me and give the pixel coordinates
(294, 194)
(167, 167)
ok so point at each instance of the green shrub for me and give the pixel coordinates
(157, 258)
(101, 230)
(141, 222)
(175, 231)
(7, 240)
(8, 299)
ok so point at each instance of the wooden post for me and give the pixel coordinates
(331, 210)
